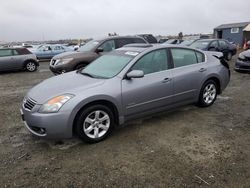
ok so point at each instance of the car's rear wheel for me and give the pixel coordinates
(31, 66)
(94, 123)
(229, 56)
(208, 93)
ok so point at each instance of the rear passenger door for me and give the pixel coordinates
(187, 73)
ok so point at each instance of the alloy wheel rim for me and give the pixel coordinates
(209, 93)
(31, 66)
(96, 124)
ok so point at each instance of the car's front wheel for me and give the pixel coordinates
(94, 123)
(208, 93)
(31, 66)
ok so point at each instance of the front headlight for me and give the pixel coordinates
(54, 104)
(63, 61)
(241, 56)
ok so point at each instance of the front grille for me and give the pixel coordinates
(29, 103)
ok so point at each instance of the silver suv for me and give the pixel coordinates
(128, 83)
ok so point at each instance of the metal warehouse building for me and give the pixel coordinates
(236, 32)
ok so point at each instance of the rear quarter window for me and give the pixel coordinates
(200, 57)
(23, 51)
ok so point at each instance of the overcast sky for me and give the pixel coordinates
(59, 19)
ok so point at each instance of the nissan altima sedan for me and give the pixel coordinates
(128, 83)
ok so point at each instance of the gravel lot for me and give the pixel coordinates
(189, 147)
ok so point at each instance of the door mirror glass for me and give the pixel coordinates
(135, 74)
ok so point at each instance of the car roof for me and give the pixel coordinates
(117, 37)
(12, 48)
(143, 47)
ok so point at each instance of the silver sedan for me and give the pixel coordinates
(128, 83)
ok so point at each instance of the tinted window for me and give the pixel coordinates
(152, 62)
(183, 57)
(214, 44)
(15, 52)
(5, 53)
(223, 44)
(123, 41)
(138, 40)
(108, 46)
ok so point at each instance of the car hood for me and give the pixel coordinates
(246, 53)
(72, 55)
(68, 83)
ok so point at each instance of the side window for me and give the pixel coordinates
(15, 52)
(200, 57)
(214, 44)
(138, 40)
(123, 41)
(152, 62)
(108, 46)
(183, 57)
(223, 44)
(4, 53)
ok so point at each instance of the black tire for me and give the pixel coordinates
(204, 101)
(30, 66)
(229, 56)
(81, 123)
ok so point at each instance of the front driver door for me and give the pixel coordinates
(153, 90)
(6, 60)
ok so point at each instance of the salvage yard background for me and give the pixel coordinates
(189, 147)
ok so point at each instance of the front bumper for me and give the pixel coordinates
(51, 126)
(242, 65)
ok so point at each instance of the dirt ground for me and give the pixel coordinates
(189, 147)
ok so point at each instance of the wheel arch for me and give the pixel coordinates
(104, 102)
(216, 80)
(29, 60)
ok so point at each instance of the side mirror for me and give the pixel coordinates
(135, 74)
(98, 50)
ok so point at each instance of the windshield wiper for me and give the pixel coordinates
(86, 74)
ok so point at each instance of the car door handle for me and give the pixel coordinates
(165, 80)
(202, 70)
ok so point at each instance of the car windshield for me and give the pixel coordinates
(106, 66)
(170, 41)
(200, 44)
(187, 42)
(88, 46)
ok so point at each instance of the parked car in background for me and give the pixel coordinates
(130, 82)
(243, 61)
(188, 42)
(149, 38)
(70, 61)
(47, 51)
(17, 59)
(162, 40)
(173, 41)
(218, 45)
